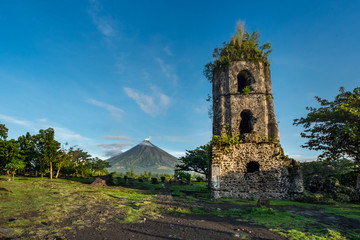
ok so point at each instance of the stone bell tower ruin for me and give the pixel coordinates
(254, 165)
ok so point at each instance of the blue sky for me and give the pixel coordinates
(108, 74)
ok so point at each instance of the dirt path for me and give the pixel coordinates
(176, 226)
(187, 227)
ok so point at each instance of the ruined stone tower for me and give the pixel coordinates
(247, 159)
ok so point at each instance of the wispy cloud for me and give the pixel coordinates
(176, 153)
(113, 111)
(13, 120)
(186, 138)
(65, 134)
(118, 138)
(62, 133)
(168, 51)
(104, 24)
(113, 149)
(201, 110)
(168, 71)
(153, 104)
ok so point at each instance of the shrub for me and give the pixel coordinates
(316, 183)
(316, 198)
(199, 179)
(185, 176)
(154, 180)
(163, 179)
(341, 197)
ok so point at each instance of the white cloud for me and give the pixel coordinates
(103, 24)
(153, 104)
(201, 110)
(113, 149)
(16, 121)
(187, 139)
(168, 71)
(118, 138)
(60, 132)
(113, 111)
(175, 153)
(67, 134)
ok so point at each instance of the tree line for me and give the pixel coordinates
(41, 154)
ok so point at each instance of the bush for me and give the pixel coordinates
(199, 179)
(330, 185)
(316, 198)
(185, 176)
(316, 183)
(341, 197)
(154, 180)
(350, 192)
(163, 179)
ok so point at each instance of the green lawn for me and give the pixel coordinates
(38, 202)
(55, 206)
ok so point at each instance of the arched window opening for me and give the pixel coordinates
(245, 79)
(247, 121)
(252, 167)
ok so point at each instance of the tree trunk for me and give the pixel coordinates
(58, 171)
(358, 181)
(51, 173)
(13, 175)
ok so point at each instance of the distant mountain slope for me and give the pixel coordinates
(143, 157)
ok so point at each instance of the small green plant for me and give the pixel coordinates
(246, 90)
(224, 142)
(271, 140)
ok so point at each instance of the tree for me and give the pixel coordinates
(10, 158)
(334, 128)
(46, 149)
(27, 148)
(3, 132)
(80, 161)
(98, 166)
(14, 159)
(62, 159)
(196, 160)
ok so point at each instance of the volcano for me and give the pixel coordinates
(143, 157)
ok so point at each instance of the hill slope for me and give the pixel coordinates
(143, 157)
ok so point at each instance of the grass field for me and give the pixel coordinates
(41, 208)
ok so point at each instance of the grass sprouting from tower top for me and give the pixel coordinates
(243, 46)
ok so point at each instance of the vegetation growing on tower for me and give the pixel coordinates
(243, 46)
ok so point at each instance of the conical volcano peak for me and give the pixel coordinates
(147, 143)
(143, 157)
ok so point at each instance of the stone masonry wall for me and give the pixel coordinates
(276, 177)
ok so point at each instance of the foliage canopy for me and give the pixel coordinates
(196, 160)
(243, 46)
(334, 128)
(41, 153)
